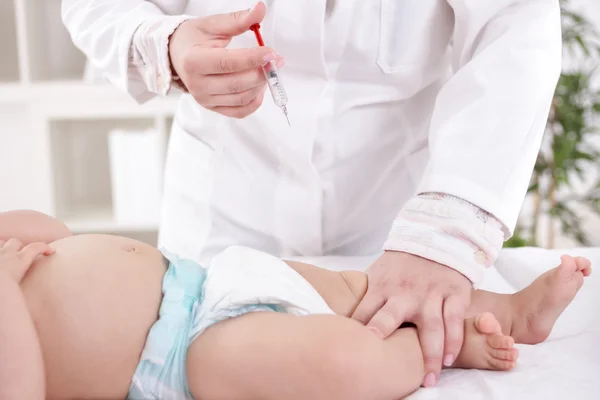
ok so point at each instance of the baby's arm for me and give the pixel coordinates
(31, 226)
(21, 362)
(21, 368)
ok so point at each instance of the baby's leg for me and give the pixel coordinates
(529, 315)
(272, 356)
(275, 356)
(342, 291)
(280, 356)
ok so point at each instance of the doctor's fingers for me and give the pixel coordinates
(236, 99)
(430, 326)
(235, 23)
(388, 316)
(235, 82)
(225, 61)
(241, 111)
(454, 324)
(369, 305)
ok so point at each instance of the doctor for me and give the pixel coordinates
(415, 128)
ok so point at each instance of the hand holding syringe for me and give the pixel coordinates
(272, 76)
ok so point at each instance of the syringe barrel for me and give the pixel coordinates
(275, 86)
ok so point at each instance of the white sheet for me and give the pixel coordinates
(566, 366)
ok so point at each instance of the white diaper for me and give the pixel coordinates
(241, 277)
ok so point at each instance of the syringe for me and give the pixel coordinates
(271, 74)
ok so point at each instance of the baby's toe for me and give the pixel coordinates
(567, 267)
(487, 323)
(584, 265)
(505, 354)
(502, 365)
(500, 342)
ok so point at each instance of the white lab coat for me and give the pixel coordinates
(388, 98)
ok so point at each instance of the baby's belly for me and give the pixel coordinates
(93, 303)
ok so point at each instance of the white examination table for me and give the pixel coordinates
(566, 366)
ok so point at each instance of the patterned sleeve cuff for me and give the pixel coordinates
(449, 231)
(150, 52)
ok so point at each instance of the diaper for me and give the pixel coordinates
(238, 281)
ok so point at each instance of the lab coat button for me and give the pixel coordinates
(480, 257)
(162, 83)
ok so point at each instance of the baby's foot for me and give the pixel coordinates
(537, 307)
(485, 347)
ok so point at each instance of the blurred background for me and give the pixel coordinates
(74, 147)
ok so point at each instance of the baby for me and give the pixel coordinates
(105, 317)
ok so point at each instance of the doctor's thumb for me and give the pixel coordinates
(235, 23)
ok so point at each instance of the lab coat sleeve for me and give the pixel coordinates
(127, 40)
(449, 231)
(489, 118)
(486, 130)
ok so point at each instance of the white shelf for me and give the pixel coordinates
(77, 99)
(81, 164)
(55, 122)
(9, 64)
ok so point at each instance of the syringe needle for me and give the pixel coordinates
(286, 116)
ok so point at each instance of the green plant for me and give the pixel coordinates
(567, 152)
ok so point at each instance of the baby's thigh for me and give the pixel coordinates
(342, 291)
(236, 359)
(274, 356)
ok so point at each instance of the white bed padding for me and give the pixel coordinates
(566, 366)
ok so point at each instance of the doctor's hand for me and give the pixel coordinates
(406, 288)
(227, 81)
